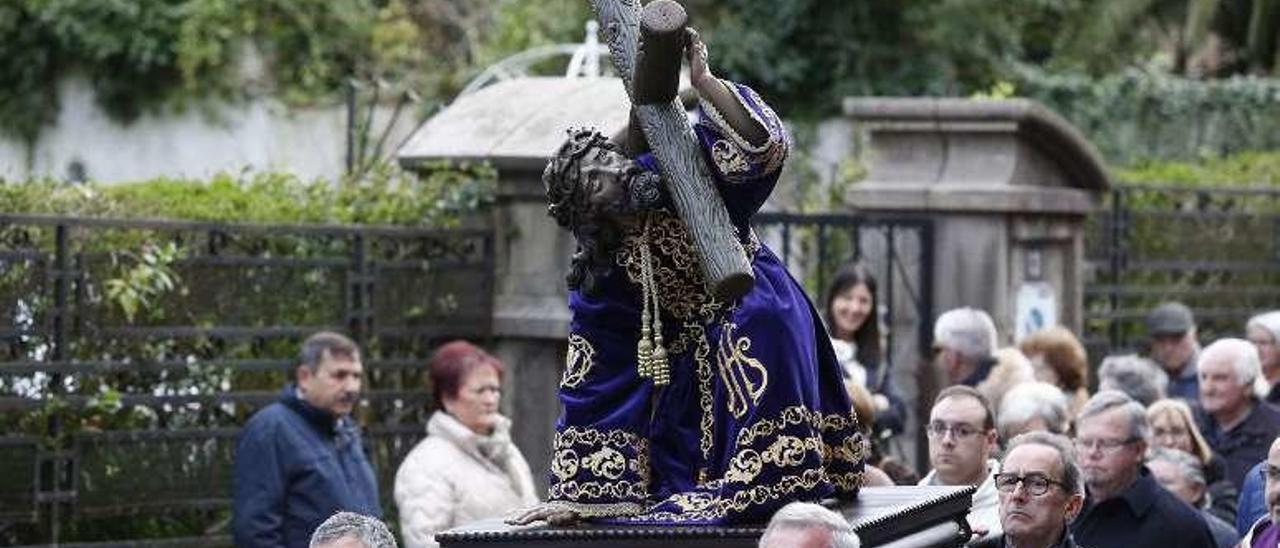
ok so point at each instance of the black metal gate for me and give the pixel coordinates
(130, 351)
(1217, 249)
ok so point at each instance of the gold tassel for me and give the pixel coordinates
(651, 353)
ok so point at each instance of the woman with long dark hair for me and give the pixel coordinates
(854, 327)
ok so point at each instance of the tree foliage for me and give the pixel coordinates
(802, 55)
(145, 54)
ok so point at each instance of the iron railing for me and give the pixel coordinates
(1217, 249)
(111, 412)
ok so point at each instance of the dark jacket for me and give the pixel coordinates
(1253, 503)
(1186, 384)
(1246, 444)
(1144, 515)
(296, 465)
(1223, 496)
(1067, 541)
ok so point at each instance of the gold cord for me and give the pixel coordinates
(651, 353)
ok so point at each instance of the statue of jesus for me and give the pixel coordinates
(679, 408)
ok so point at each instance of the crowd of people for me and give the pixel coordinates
(1178, 448)
(1171, 449)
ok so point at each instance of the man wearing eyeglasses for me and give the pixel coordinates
(962, 437)
(1264, 532)
(1040, 493)
(1124, 507)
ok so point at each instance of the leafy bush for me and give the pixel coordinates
(1247, 168)
(1140, 114)
(385, 195)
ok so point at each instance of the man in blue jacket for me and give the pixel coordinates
(300, 460)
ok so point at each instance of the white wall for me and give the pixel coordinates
(198, 141)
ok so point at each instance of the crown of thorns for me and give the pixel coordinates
(562, 177)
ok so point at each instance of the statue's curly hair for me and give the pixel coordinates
(598, 236)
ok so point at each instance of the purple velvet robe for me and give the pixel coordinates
(755, 415)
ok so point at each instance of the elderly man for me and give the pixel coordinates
(1172, 331)
(352, 530)
(300, 459)
(1236, 424)
(1124, 506)
(808, 525)
(964, 341)
(1264, 533)
(1263, 331)
(962, 438)
(1181, 474)
(1040, 492)
(1033, 406)
(1138, 377)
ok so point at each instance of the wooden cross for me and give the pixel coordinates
(647, 57)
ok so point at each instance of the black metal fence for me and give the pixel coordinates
(1217, 249)
(130, 351)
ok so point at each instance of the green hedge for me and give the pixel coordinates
(385, 195)
(1135, 114)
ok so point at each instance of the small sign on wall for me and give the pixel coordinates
(1037, 308)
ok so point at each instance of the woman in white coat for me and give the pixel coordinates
(467, 468)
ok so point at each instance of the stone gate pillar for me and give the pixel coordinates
(1007, 184)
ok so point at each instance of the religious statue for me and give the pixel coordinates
(681, 406)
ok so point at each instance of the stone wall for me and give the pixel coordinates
(196, 141)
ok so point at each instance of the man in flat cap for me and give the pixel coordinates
(1172, 330)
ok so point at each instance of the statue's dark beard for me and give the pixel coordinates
(599, 235)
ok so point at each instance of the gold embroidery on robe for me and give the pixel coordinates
(745, 378)
(769, 155)
(578, 361)
(604, 469)
(564, 464)
(677, 270)
(606, 462)
(728, 157)
(785, 453)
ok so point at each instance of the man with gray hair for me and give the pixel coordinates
(1236, 424)
(965, 339)
(352, 530)
(1040, 493)
(1181, 474)
(1124, 506)
(1138, 377)
(808, 525)
(1033, 406)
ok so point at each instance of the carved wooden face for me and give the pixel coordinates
(604, 174)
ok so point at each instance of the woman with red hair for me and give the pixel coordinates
(467, 468)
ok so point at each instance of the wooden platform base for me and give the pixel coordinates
(890, 517)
